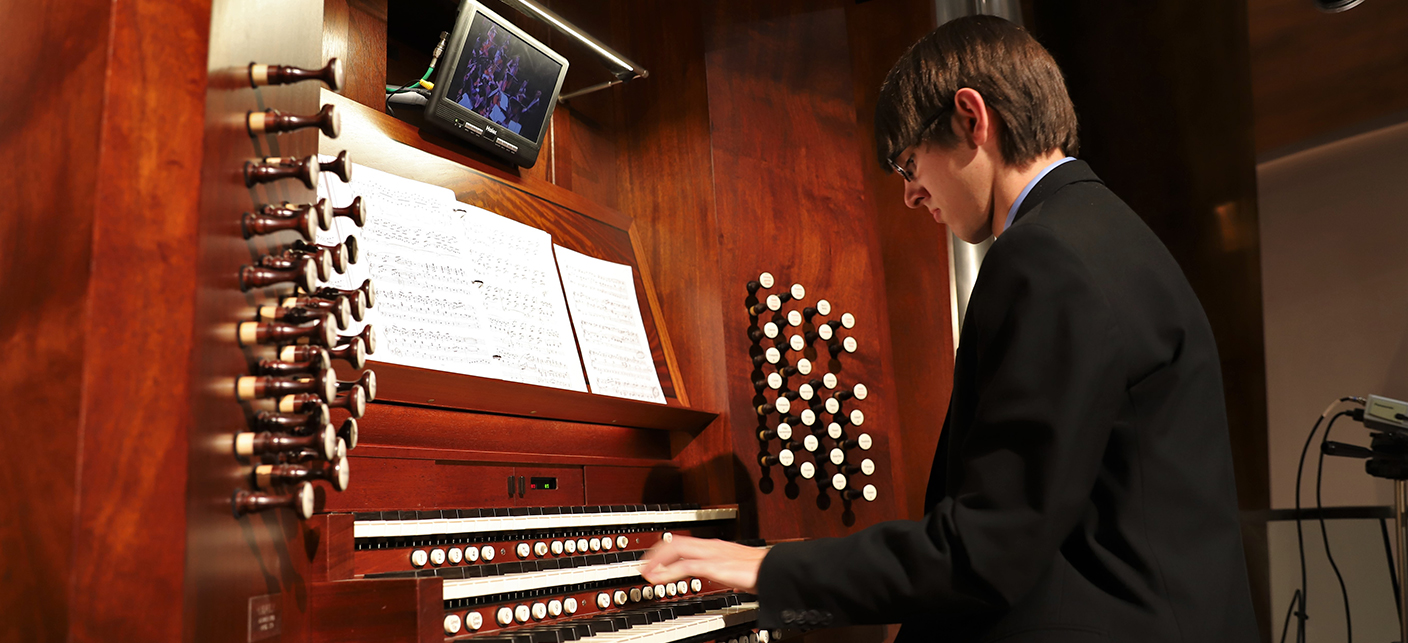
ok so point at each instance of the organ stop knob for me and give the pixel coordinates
(356, 211)
(252, 444)
(764, 280)
(321, 332)
(305, 170)
(331, 74)
(254, 387)
(254, 224)
(272, 121)
(278, 475)
(300, 499)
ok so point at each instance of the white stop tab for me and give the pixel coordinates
(811, 443)
(867, 466)
(786, 458)
(798, 292)
(849, 344)
(837, 456)
(823, 307)
(860, 391)
(774, 381)
(783, 405)
(766, 280)
(772, 355)
(804, 366)
(869, 493)
(794, 318)
(784, 431)
(857, 418)
(808, 470)
(771, 331)
(808, 417)
(848, 320)
(864, 441)
(833, 431)
(833, 405)
(829, 380)
(839, 481)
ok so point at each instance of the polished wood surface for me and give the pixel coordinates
(790, 199)
(354, 31)
(914, 250)
(1317, 74)
(1189, 171)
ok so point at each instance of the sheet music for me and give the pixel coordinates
(610, 330)
(428, 312)
(513, 266)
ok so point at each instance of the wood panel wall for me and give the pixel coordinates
(1190, 175)
(1317, 74)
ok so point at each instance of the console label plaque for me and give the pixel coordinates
(265, 617)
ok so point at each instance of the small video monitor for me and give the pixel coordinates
(496, 86)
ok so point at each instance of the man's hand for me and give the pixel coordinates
(722, 562)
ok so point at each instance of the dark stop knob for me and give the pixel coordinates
(305, 170)
(258, 223)
(299, 499)
(367, 381)
(303, 275)
(320, 332)
(272, 121)
(331, 74)
(356, 211)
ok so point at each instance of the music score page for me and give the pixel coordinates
(610, 331)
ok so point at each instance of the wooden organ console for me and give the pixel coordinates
(481, 509)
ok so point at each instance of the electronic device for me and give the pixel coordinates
(497, 87)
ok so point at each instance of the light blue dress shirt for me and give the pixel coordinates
(1012, 213)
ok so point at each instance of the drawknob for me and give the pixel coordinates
(272, 121)
(299, 499)
(305, 170)
(331, 74)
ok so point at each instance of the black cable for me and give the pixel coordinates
(390, 94)
(1285, 625)
(1302, 615)
(1392, 572)
(1324, 534)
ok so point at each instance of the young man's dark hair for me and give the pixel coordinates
(1000, 60)
(1082, 489)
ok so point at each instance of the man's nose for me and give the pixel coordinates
(914, 195)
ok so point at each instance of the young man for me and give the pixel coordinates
(1083, 487)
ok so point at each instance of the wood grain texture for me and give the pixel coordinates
(790, 198)
(666, 180)
(46, 230)
(130, 536)
(1190, 174)
(606, 485)
(913, 251)
(377, 611)
(1314, 73)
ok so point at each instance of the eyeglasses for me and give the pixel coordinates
(904, 172)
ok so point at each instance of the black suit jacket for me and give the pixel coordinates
(1083, 488)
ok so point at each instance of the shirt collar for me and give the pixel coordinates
(1012, 212)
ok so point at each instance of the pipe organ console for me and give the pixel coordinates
(482, 509)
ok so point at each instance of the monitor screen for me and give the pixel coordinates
(504, 78)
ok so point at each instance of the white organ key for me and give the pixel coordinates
(407, 528)
(472, 587)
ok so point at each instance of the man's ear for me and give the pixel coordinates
(971, 117)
